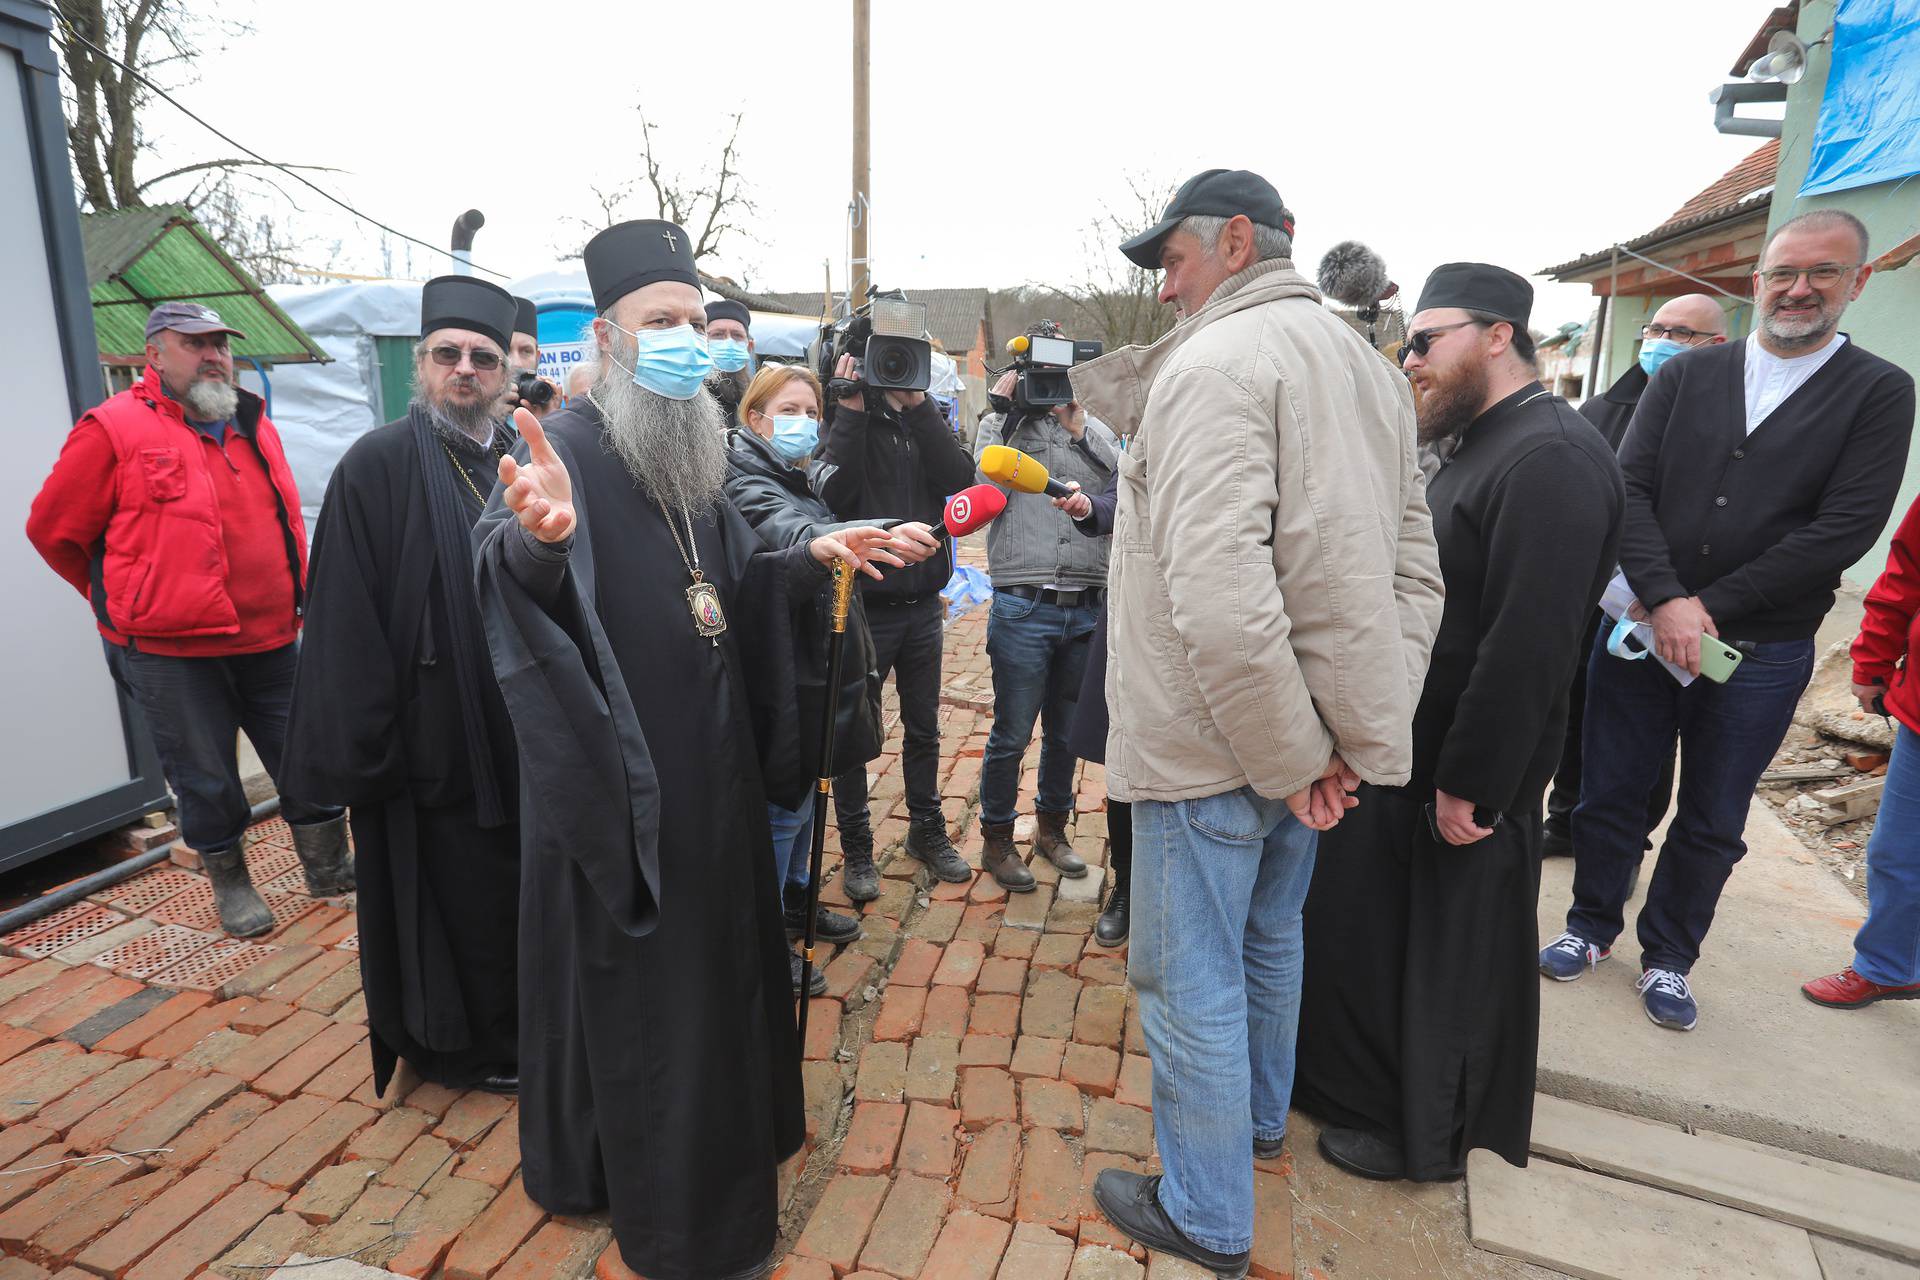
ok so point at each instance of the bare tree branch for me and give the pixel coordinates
(228, 165)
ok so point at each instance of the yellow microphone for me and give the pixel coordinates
(1019, 472)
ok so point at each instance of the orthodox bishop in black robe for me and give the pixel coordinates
(642, 640)
(1420, 1004)
(396, 713)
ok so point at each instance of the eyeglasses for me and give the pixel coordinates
(1824, 276)
(1421, 341)
(1678, 332)
(449, 356)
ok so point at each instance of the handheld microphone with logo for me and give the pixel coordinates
(1016, 470)
(973, 508)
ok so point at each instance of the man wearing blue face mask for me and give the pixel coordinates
(730, 342)
(1683, 323)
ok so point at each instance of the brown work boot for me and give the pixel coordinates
(999, 859)
(1050, 838)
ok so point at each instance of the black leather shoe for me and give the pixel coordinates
(1555, 842)
(927, 842)
(1131, 1202)
(508, 1084)
(829, 927)
(816, 985)
(1363, 1153)
(858, 876)
(1264, 1150)
(1110, 930)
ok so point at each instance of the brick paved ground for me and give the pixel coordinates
(975, 1062)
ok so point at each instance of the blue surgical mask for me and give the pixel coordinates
(1655, 352)
(729, 354)
(795, 436)
(669, 362)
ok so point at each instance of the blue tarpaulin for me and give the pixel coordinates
(1869, 127)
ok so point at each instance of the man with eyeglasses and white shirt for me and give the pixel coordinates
(1755, 472)
(1681, 324)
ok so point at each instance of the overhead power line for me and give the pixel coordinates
(322, 192)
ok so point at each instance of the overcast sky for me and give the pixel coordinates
(1503, 130)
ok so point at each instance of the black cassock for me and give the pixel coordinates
(659, 1070)
(377, 723)
(1420, 1011)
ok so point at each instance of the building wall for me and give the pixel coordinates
(1883, 319)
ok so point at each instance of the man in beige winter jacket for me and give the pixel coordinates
(1275, 590)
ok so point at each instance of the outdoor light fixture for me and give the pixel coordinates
(1784, 62)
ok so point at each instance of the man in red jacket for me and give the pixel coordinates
(1886, 951)
(171, 509)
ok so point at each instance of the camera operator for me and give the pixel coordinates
(890, 453)
(525, 388)
(1047, 584)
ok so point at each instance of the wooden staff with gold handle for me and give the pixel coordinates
(836, 644)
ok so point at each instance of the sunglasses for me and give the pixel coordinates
(448, 356)
(1421, 341)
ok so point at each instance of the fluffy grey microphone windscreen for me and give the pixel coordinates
(1353, 275)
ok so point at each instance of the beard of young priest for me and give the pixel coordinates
(659, 1067)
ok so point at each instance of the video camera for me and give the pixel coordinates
(1042, 363)
(887, 339)
(534, 391)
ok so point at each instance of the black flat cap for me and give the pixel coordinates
(1479, 286)
(635, 254)
(1216, 193)
(525, 317)
(465, 302)
(728, 309)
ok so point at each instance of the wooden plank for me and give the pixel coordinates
(1842, 1261)
(1857, 801)
(1601, 1228)
(1805, 773)
(1872, 1209)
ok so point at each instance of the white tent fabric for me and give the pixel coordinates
(321, 409)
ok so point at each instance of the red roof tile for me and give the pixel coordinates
(1750, 176)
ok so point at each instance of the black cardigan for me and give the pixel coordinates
(1760, 526)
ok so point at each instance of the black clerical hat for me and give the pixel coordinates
(634, 254)
(1215, 193)
(728, 309)
(1479, 286)
(524, 317)
(464, 302)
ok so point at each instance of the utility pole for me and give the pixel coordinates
(859, 212)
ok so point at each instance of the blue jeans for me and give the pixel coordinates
(1887, 948)
(195, 708)
(792, 841)
(1728, 734)
(1218, 884)
(1039, 656)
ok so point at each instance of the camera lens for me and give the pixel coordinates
(893, 366)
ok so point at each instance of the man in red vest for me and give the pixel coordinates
(171, 509)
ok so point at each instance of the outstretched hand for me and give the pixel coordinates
(860, 547)
(539, 492)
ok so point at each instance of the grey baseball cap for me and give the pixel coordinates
(188, 317)
(1218, 193)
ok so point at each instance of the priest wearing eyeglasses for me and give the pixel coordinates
(396, 712)
(642, 640)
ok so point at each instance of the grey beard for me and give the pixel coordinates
(1802, 334)
(676, 449)
(211, 401)
(473, 422)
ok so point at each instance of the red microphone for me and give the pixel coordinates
(973, 508)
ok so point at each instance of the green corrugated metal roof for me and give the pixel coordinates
(138, 258)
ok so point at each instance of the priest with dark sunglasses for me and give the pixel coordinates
(396, 712)
(1420, 1009)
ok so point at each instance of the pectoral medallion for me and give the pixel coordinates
(703, 601)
